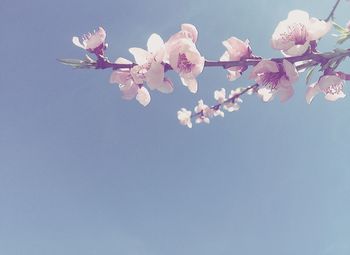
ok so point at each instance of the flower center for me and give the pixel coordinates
(334, 89)
(296, 33)
(184, 64)
(270, 80)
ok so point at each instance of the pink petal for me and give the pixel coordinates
(129, 92)
(297, 50)
(143, 96)
(96, 39)
(155, 43)
(285, 93)
(141, 56)
(311, 92)
(76, 42)
(167, 87)
(266, 94)
(329, 80)
(192, 30)
(191, 84)
(318, 28)
(122, 61)
(236, 48)
(264, 66)
(155, 75)
(233, 75)
(290, 70)
(334, 97)
(120, 77)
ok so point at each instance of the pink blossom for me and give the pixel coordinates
(203, 112)
(330, 85)
(187, 31)
(183, 56)
(348, 25)
(232, 106)
(151, 63)
(184, 116)
(92, 42)
(236, 50)
(130, 82)
(274, 78)
(294, 34)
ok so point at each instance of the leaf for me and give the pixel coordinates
(339, 28)
(343, 38)
(309, 74)
(76, 63)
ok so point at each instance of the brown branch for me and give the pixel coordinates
(317, 57)
(331, 14)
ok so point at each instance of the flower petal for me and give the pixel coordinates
(167, 87)
(143, 96)
(311, 92)
(155, 43)
(296, 50)
(141, 56)
(318, 28)
(77, 42)
(192, 30)
(191, 84)
(155, 75)
(291, 71)
(266, 94)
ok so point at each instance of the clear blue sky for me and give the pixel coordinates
(84, 172)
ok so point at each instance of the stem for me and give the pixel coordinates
(331, 14)
(230, 99)
(317, 57)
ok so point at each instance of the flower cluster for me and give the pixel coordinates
(296, 37)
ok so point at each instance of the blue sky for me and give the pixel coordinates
(84, 172)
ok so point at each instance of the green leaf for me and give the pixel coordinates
(309, 74)
(339, 28)
(77, 63)
(343, 37)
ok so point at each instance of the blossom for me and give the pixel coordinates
(220, 97)
(232, 105)
(331, 85)
(294, 34)
(184, 116)
(92, 42)
(236, 51)
(151, 63)
(184, 57)
(274, 78)
(203, 112)
(130, 82)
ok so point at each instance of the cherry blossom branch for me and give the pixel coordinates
(231, 99)
(320, 58)
(331, 14)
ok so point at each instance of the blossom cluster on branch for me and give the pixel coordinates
(296, 38)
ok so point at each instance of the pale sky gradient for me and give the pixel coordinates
(84, 172)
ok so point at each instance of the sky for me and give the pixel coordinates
(84, 172)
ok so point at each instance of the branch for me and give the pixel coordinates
(331, 14)
(320, 58)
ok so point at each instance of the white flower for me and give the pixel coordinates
(91, 42)
(203, 112)
(232, 106)
(130, 82)
(293, 35)
(184, 57)
(331, 86)
(151, 66)
(184, 116)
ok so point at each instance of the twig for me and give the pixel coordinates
(331, 14)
